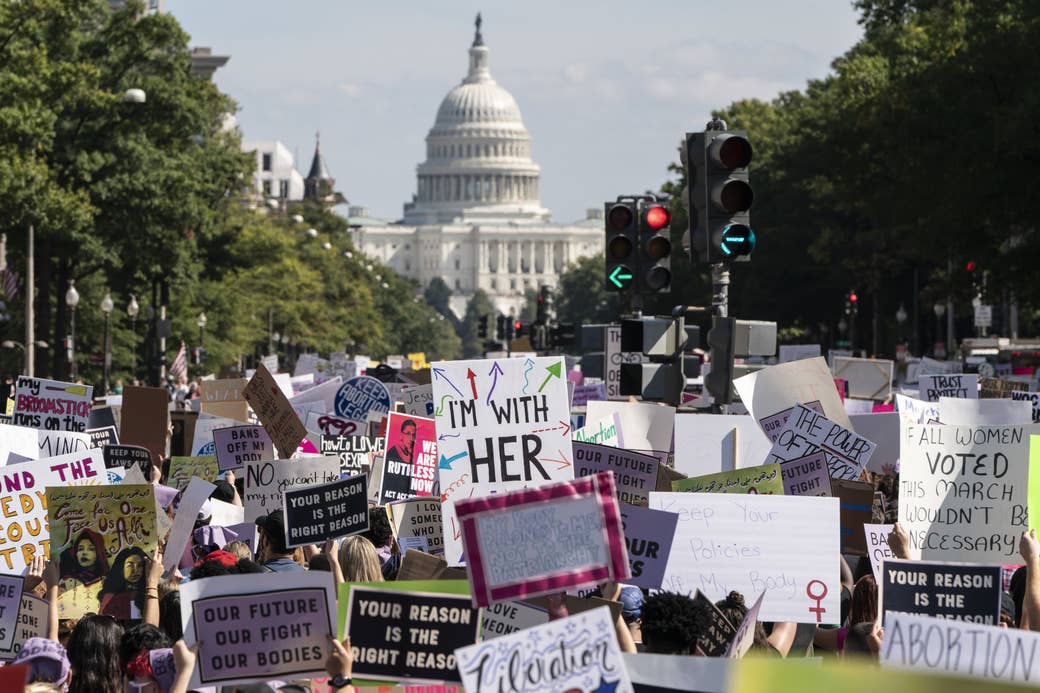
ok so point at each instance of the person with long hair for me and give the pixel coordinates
(123, 584)
(93, 651)
(84, 562)
(356, 561)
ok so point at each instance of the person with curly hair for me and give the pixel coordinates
(123, 584)
(672, 623)
(734, 608)
(84, 562)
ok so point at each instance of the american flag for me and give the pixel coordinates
(179, 367)
(10, 280)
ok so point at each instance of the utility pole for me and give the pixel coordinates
(30, 297)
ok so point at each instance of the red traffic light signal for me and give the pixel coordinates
(517, 326)
(853, 298)
(657, 218)
(970, 266)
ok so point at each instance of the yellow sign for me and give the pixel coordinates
(418, 360)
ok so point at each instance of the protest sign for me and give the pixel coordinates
(144, 419)
(807, 432)
(583, 394)
(421, 518)
(648, 538)
(957, 591)
(314, 514)
(224, 398)
(999, 388)
(762, 479)
(410, 460)
(506, 535)
(51, 405)
(876, 537)
(100, 437)
(961, 385)
(266, 480)
(274, 411)
(645, 425)
(606, 431)
(783, 545)
(613, 357)
(745, 635)
(18, 443)
(984, 412)
(23, 509)
(182, 469)
(962, 649)
(806, 476)
(33, 619)
(10, 600)
(359, 396)
(770, 394)
(331, 425)
(1034, 400)
(635, 475)
(883, 431)
(237, 445)
(657, 673)
(258, 627)
(504, 618)
(857, 503)
(322, 396)
(418, 400)
(502, 424)
(574, 653)
(913, 410)
(710, 443)
(963, 490)
(202, 433)
(196, 492)
(127, 456)
(101, 538)
(54, 443)
(355, 452)
(715, 640)
(408, 634)
(867, 378)
(797, 352)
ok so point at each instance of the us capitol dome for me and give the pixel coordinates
(476, 219)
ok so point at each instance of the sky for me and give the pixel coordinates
(606, 88)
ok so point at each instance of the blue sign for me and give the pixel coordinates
(361, 395)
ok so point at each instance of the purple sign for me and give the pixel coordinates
(773, 425)
(806, 476)
(635, 475)
(648, 536)
(10, 598)
(237, 445)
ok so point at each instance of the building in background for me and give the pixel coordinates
(276, 176)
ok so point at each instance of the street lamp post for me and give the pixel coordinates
(201, 322)
(106, 307)
(132, 309)
(72, 300)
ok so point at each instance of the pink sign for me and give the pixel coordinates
(543, 540)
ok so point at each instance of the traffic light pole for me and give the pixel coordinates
(720, 290)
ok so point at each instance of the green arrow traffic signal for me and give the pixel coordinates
(620, 277)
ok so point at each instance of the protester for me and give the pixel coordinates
(93, 650)
(272, 551)
(672, 623)
(382, 537)
(46, 659)
(356, 561)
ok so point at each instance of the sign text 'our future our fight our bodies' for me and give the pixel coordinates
(502, 424)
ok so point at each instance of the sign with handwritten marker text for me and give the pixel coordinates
(808, 431)
(765, 478)
(51, 405)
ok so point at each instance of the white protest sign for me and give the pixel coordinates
(913, 410)
(418, 400)
(984, 412)
(797, 352)
(54, 443)
(712, 443)
(194, 496)
(961, 648)
(877, 545)
(960, 385)
(883, 430)
(509, 617)
(962, 490)
(266, 480)
(1032, 397)
(606, 431)
(784, 546)
(202, 439)
(807, 432)
(771, 393)
(502, 424)
(644, 425)
(323, 395)
(418, 518)
(867, 378)
(51, 405)
(19, 441)
(531, 660)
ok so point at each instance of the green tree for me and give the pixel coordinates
(479, 305)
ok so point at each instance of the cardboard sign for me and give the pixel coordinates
(648, 538)
(1033, 398)
(961, 385)
(258, 627)
(182, 469)
(195, 494)
(354, 452)
(876, 537)
(127, 456)
(202, 434)
(961, 649)
(711, 443)
(10, 600)
(955, 591)
(867, 378)
(145, 419)
(783, 545)
(314, 514)
(857, 504)
(101, 538)
(274, 411)
(237, 445)
(266, 480)
(17, 444)
(646, 426)
(579, 653)
(360, 396)
(332, 425)
(224, 398)
(807, 432)
(502, 424)
(963, 491)
(797, 352)
(883, 431)
(418, 401)
(915, 411)
(984, 412)
(999, 388)
(635, 475)
(54, 443)
(606, 431)
(770, 393)
(51, 405)
(100, 437)
(418, 518)
(22, 491)
(33, 616)
(506, 536)
(715, 640)
(763, 479)
(410, 460)
(408, 635)
(745, 635)
(806, 476)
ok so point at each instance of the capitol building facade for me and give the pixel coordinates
(476, 220)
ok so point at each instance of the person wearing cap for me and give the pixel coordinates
(272, 551)
(46, 659)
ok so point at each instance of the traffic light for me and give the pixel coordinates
(851, 303)
(662, 340)
(500, 327)
(545, 305)
(655, 245)
(622, 239)
(719, 380)
(719, 195)
(483, 322)
(520, 328)
(562, 334)
(510, 328)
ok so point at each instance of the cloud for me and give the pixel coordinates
(351, 89)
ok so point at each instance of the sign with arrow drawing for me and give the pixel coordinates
(502, 424)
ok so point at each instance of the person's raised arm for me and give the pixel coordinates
(340, 664)
(1029, 547)
(184, 663)
(899, 542)
(331, 550)
(150, 613)
(50, 579)
(229, 477)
